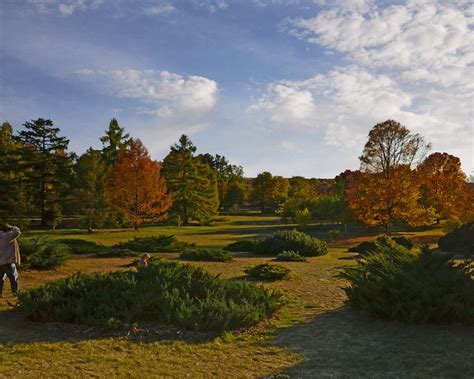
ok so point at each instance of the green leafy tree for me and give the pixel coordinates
(262, 190)
(91, 172)
(236, 193)
(229, 178)
(49, 166)
(280, 188)
(192, 183)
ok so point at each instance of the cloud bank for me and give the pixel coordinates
(410, 62)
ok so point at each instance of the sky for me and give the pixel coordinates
(287, 86)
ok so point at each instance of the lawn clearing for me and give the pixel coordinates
(313, 335)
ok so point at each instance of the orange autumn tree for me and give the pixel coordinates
(386, 190)
(443, 185)
(377, 200)
(137, 188)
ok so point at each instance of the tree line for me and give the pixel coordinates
(120, 185)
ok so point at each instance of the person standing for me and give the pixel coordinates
(9, 256)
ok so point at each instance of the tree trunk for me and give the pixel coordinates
(389, 228)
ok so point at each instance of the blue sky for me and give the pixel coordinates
(287, 86)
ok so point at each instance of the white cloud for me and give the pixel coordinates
(211, 5)
(347, 102)
(287, 104)
(118, 7)
(175, 104)
(160, 9)
(420, 35)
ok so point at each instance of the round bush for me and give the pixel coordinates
(169, 292)
(394, 283)
(290, 256)
(294, 240)
(267, 271)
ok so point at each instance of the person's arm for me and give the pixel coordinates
(14, 233)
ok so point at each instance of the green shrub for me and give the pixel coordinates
(460, 240)
(43, 254)
(267, 271)
(155, 244)
(300, 242)
(78, 246)
(118, 253)
(202, 254)
(394, 283)
(244, 245)
(169, 292)
(366, 247)
(290, 256)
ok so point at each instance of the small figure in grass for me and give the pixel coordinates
(144, 260)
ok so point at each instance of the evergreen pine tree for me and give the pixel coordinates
(14, 199)
(192, 183)
(114, 140)
(49, 166)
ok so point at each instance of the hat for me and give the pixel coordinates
(6, 227)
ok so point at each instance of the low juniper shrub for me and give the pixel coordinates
(395, 283)
(267, 271)
(168, 292)
(244, 245)
(203, 254)
(117, 253)
(294, 240)
(290, 256)
(366, 247)
(156, 244)
(43, 254)
(79, 246)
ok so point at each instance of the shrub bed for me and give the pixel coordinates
(43, 254)
(183, 295)
(267, 271)
(300, 242)
(460, 240)
(394, 283)
(154, 244)
(290, 256)
(202, 254)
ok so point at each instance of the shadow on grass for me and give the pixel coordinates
(346, 343)
(15, 329)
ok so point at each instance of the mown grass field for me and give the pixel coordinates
(314, 335)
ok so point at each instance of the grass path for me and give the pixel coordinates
(313, 336)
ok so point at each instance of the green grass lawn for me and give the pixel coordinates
(314, 335)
